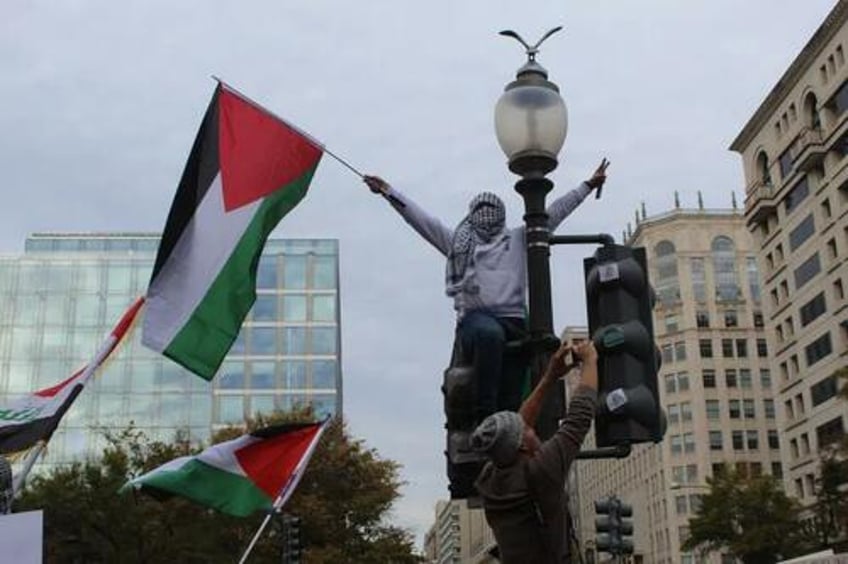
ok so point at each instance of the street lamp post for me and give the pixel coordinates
(531, 122)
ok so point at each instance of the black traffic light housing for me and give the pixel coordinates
(613, 528)
(463, 464)
(619, 300)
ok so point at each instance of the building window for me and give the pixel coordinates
(796, 195)
(748, 408)
(686, 411)
(730, 378)
(709, 379)
(745, 378)
(773, 439)
(727, 348)
(730, 318)
(738, 440)
(765, 378)
(671, 323)
(724, 267)
(741, 348)
(689, 442)
(762, 348)
(682, 381)
(777, 470)
(734, 409)
(830, 433)
(670, 384)
(667, 354)
(702, 319)
(680, 351)
(673, 414)
(824, 390)
(753, 440)
(699, 280)
(763, 168)
(681, 505)
(753, 279)
(818, 349)
(802, 232)
(715, 442)
(667, 287)
(808, 269)
(676, 444)
(713, 410)
(768, 408)
(706, 348)
(758, 320)
(813, 309)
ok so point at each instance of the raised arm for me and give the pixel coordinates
(429, 227)
(564, 205)
(557, 453)
(557, 367)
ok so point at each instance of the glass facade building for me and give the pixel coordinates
(61, 297)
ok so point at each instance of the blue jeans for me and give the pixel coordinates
(499, 377)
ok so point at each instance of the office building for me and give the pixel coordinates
(65, 292)
(793, 153)
(459, 535)
(715, 382)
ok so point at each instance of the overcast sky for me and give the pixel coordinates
(100, 102)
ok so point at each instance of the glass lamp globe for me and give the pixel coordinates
(531, 122)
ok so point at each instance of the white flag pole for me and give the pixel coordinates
(285, 491)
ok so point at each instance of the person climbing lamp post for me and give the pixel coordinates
(531, 122)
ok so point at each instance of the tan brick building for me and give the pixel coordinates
(796, 207)
(715, 381)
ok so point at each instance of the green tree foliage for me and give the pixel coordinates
(343, 500)
(751, 518)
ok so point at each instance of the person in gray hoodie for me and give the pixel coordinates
(523, 483)
(486, 276)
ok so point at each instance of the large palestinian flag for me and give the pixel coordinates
(241, 476)
(35, 417)
(247, 169)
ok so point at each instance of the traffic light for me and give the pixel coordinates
(463, 464)
(293, 544)
(612, 526)
(619, 301)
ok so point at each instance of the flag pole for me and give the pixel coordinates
(311, 139)
(285, 491)
(19, 480)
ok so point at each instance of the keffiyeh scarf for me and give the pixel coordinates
(485, 220)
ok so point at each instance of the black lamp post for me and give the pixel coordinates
(531, 122)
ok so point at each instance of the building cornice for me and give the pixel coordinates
(832, 23)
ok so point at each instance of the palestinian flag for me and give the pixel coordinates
(35, 417)
(239, 477)
(247, 169)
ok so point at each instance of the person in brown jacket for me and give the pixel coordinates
(523, 483)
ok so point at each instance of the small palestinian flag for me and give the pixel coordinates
(241, 476)
(35, 417)
(247, 169)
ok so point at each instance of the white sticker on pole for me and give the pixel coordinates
(616, 399)
(608, 271)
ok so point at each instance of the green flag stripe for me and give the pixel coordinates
(203, 342)
(227, 492)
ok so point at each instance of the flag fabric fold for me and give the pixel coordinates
(247, 169)
(254, 472)
(34, 418)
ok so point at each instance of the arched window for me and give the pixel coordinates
(724, 268)
(763, 168)
(667, 286)
(812, 118)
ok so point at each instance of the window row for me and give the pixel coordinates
(734, 378)
(732, 348)
(730, 318)
(743, 440)
(739, 409)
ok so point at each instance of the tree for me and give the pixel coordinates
(752, 518)
(343, 501)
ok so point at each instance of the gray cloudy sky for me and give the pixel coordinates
(100, 101)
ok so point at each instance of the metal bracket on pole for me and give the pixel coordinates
(600, 239)
(618, 451)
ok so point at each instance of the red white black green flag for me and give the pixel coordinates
(33, 418)
(247, 169)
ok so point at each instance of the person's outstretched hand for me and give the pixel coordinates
(599, 176)
(376, 184)
(560, 363)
